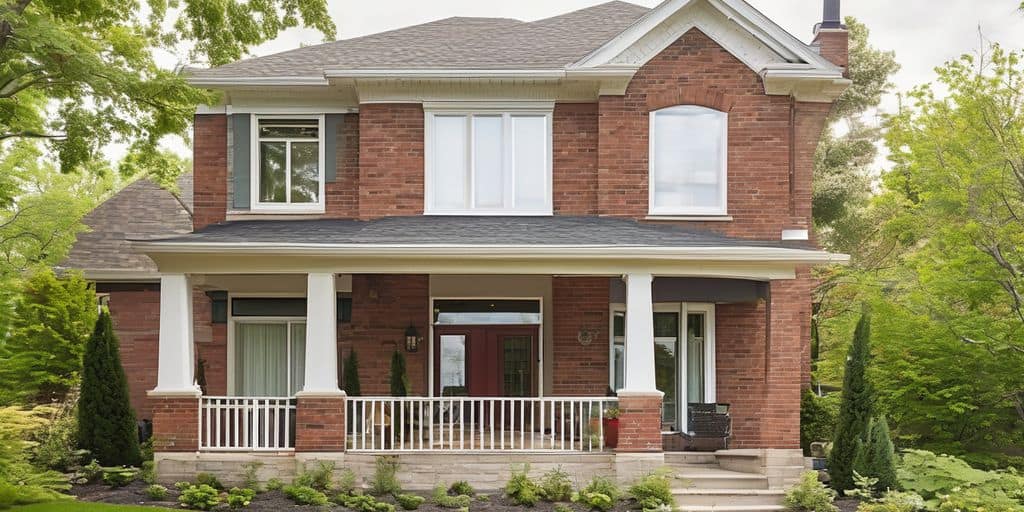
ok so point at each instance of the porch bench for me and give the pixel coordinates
(710, 428)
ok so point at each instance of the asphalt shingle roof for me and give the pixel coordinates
(474, 231)
(142, 209)
(452, 43)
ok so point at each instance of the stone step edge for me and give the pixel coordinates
(689, 491)
(730, 508)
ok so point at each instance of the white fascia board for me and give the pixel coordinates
(446, 74)
(708, 253)
(263, 81)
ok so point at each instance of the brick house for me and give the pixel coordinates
(610, 208)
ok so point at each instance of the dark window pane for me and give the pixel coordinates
(272, 172)
(305, 172)
(619, 324)
(517, 374)
(666, 325)
(289, 128)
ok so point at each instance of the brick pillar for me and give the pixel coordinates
(639, 422)
(320, 423)
(175, 423)
(788, 333)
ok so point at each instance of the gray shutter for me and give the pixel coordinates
(241, 172)
(332, 127)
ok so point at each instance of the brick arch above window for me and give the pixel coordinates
(690, 95)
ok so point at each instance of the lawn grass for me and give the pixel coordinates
(82, 506)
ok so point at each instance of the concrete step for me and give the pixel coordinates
(730, 508)
(689, 497)
(704, 476)
(690, 458)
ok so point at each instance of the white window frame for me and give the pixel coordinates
(506, 111)
(710, 368)
(233, 321)
(723, 170)
(254, 167)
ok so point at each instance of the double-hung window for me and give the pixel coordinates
(688, 161)
(288, 163)
(488, 161)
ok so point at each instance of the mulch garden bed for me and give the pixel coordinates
(847, 504)
(275, 501)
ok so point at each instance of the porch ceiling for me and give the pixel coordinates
(456, 244)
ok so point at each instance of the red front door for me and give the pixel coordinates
(485, 360)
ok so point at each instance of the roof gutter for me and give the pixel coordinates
(446, 74)
(261, 81)
(589, 252)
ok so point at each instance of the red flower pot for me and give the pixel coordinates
(611, 432)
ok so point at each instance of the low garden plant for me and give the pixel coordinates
(555, 485)
(250, 475)
(209, 479)
(367, 503)
(384, 479)
(119, 477)
(810, 495)
(320, 478)
(410, 501)
(347, 482)
(275, 484)
(305, 495)
(239, 498)
(148, 472)
(461, 488)
(156, 492)
(947, 481)
(600, 494)
(443, 498)
(521, 490)
(653, 491)
(199, 497)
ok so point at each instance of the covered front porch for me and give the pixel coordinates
(526, 346)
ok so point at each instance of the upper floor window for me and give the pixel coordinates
(288, 163)
(488, 162)
(688, 153)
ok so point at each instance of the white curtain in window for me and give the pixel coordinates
(688, 159)
(451, 171)
(297, 358)
(489, 180)
(261, 355)
(530, 166)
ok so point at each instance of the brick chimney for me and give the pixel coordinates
(831, 36)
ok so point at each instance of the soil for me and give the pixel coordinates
(847, 504)
(275, 501)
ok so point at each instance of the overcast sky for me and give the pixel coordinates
(923, 33)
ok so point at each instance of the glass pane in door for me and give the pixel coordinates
(453, 365)
(619, 350)
(517, 372)
(297, 358)
(666, 375)
(695, 357)
(261, 359)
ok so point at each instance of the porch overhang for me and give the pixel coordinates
(484, 245)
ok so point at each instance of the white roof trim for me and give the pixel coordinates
(444, 73)
(774, 37)
(703, 253)
(267, 81)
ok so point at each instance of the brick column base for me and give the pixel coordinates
(320, 423)
(639, 422)
(175, 423)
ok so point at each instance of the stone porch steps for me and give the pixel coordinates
(704, 486)
(730, 508)
(707, 476)
(727, 499)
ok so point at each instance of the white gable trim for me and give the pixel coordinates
(773, 38)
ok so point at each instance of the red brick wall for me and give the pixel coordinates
(320, 424)
(574, 141)
(175, 424)
(210, 165)
(835, 46)
(740, 362)
(343, 194)
(696, 70)
(579, 303)
(390, 160)
(788, 338)
(383, 306)
(639, 423)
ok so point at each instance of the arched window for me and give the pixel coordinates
(688, 153)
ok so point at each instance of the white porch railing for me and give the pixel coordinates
(558, 424)
(246, 423)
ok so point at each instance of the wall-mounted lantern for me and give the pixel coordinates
(412, 339)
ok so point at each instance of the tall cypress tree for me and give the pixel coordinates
(106, 423)
(399, 378)
(351, 377)
(880, 456)
(855, 410)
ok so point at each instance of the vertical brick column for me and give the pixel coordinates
(175, 423)
(788, 332)
(320, 423)
(639, 422)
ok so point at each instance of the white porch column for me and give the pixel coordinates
(321, 336)
(639, 334)
(176, 351)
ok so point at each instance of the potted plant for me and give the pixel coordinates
(611, 427)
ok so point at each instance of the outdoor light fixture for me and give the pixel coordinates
(412, 339)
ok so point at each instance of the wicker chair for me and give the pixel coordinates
(710, 428)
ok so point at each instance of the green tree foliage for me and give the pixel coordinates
(855, 410)
(818, 418)
(20, 482)
(42, 357)
(399, 377)
(351, 375)
(880, 456)
(83, 74)
(843, 160)
(106, 423)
